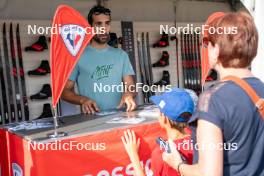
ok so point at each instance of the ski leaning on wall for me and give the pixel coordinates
(13, 98)
(10, 79)
(185, 62)
(191, 61)
(197, 62)
(3, 103)
(16, 75)
(145, 63)
(150, 74)
(25, 113)
(177, 58)
(175, 4)
(141, 67)
(194, 74)
(5, 83)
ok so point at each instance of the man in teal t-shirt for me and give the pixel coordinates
(100, 70)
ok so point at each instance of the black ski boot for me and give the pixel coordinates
(43, 69)
(165, 80)
(163, 61)
(113, 40)
(39, 45)
(163, 41)
(46, 111)
(212, 76)
(120, 40)
(44, 93)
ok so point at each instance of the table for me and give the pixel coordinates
(93, 146)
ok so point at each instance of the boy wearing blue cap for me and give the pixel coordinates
(176, 107)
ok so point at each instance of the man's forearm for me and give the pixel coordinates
(72, 97)
(130, 86)
(132, 93)
(131, 89)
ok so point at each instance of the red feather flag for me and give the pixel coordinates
(69, 36)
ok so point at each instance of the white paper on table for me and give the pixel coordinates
(105, 113)
(131, 120)
(30, 125)
(149, 111)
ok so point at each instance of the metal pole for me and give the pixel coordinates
(56, 134)
(55, 121)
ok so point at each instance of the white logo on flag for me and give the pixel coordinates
(17, 171)
(73, 36)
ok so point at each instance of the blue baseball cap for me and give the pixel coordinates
(173, 103)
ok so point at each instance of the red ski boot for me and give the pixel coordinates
(39, 45)
(163, 42)
(163, 61)
(43, 69)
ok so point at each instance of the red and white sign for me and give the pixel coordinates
(67, 45)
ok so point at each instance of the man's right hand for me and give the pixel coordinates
(89, 106)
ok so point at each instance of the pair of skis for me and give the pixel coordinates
(144, 58)
(190, 53)
(13, 102)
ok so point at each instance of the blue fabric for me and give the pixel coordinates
(173, 103)
(102, 67)
(229, 107)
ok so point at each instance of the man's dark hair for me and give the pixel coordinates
(97, 10)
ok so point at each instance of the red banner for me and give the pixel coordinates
(104, 154)
(70, 35)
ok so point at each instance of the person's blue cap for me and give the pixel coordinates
(173, 103)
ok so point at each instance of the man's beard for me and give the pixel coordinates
(101, 38)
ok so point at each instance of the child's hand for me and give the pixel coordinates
(131, 144)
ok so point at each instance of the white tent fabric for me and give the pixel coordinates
(256, 7)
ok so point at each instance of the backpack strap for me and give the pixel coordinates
(259, 102)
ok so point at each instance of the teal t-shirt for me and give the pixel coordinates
(98, 70)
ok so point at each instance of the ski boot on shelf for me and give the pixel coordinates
(120, 40)
(39, 45)
(165, 80)
(212, 76)
(163, 41)
(47, 112)
(163, 61)
(44, 93)
(43, 69)
(113, 40)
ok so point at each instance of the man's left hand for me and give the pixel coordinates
(128, 100)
